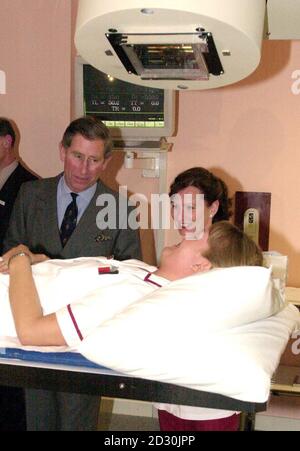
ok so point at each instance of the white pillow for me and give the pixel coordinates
(179, 333)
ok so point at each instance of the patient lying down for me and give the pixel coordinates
(86, 299)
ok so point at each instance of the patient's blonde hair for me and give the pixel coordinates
(230, 246)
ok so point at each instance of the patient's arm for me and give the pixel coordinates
(32, 327)
(35, 258)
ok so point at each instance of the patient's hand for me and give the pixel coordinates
(34, 258)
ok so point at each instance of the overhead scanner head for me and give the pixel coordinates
(187, 44)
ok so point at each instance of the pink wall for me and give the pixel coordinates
(35, 49)
(248, 133)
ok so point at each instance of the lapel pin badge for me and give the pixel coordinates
(102, 237)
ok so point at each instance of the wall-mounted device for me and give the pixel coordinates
(140, 118)
(252, 214)
(251, 223)
(187, 44)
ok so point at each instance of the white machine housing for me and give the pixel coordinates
(182, 44)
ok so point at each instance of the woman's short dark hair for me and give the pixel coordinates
(208, 184)
(91, 128)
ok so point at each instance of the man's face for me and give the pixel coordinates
(83, 162)
(3, 149)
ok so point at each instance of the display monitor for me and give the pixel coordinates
(132, 112)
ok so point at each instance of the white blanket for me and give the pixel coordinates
(222, 331)
(63, 282)
(238, 362)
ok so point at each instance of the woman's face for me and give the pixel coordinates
(191, 213)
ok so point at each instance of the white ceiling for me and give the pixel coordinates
(284, 19)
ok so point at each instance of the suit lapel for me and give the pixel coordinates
(47, 205)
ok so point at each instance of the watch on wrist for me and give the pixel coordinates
(19, 254)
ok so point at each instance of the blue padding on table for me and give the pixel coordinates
(62, 358)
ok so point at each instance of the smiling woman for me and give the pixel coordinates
(198, 200)
(198, 197)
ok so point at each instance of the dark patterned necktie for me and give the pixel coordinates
(69, 222)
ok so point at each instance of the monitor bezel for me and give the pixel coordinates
(128, 134)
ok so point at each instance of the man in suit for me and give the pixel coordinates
(43, 214)
(12, 175)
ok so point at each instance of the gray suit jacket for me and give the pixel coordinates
(34, 223)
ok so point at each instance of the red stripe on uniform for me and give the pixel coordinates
(75, 323)
(147, 279)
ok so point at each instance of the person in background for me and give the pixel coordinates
(217, 207)
(58, 218)
(12, 175)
